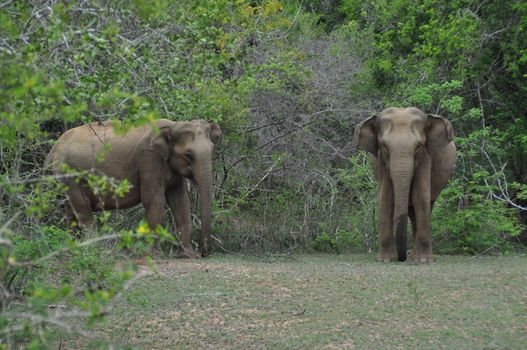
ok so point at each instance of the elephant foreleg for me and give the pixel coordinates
(179, 203)
(153, 199)
(154, 211)
(387, 251)
(422, 250)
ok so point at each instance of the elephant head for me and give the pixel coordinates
(187, 147)
(402, 140)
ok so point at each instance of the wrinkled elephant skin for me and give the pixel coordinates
(155, 159)
(413, 156)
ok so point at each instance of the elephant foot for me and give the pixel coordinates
(387, 257)
(205, 249)
(422, 258)
(188, 253)
(155, 253)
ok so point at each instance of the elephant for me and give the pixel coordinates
(154, 158)
(413, 155)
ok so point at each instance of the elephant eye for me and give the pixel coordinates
(188, 156)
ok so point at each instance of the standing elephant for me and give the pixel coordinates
(155, 161)
(413, 156)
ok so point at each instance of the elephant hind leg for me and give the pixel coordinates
(70, 215)
(80, 208)
(71, 221)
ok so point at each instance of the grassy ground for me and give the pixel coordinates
(345, 301)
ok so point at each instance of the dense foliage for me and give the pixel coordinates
(287, 81)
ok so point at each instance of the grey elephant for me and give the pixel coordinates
(154, 159)
(413, 156)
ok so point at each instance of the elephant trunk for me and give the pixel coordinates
(203, 177)
(401, 173)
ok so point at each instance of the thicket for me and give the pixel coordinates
(287, 81)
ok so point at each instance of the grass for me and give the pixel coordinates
(343, 301)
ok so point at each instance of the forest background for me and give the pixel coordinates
(287, 81)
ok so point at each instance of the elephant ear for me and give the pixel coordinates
(215, 132)
(160, 143)
(365, 135)
(440, 131)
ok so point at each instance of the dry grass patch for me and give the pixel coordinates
(323, 302)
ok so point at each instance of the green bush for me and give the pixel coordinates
(466, 220)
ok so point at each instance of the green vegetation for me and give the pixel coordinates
(287, 80)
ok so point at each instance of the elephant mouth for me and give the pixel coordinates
(188, 174)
